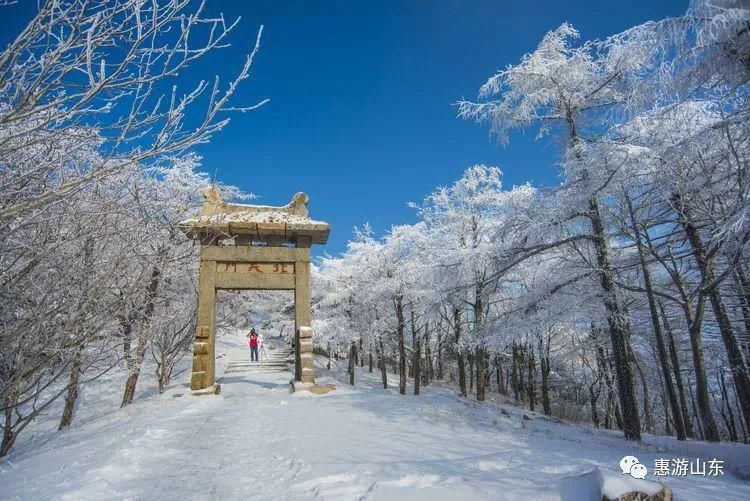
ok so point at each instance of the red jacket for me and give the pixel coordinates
(253, 340)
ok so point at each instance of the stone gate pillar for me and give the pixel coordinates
(305, 371)
(303, 355)
(204, 361)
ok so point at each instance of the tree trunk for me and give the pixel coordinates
(514, 373)
(728, 415)
(615, 407)
(429, 373)
(164, 372)
(143, 335)
(487, 371)
(75, 369)
(481, 375)
(664, 402)
(416, 355)
(741, 381)
(701, 433)
(545, 369)
(135, 372)
(354, 352)
(459, 353)
(359, 354)
(594, 399)
(498, 373)
(72, 395)
(743, 286)
(479, 336)
(381, 362)
(666, 378)
(687, 419)
(648, 416)
(602, 360)
(352, 361)
(734, 355)
(521, 367)
(531, 383)
(742, 424)
(619, 328)
(471, 371)
(401, 346)
(9, 434)
(440, 354)
(507, 380)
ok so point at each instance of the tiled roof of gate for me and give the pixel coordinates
(258, 225)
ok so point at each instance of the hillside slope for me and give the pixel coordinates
(256, 440)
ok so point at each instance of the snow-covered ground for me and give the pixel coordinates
(257, 440)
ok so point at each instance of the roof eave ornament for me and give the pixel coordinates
(215, 205)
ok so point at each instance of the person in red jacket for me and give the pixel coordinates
(253, 336)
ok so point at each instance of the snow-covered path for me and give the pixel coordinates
(256, 440)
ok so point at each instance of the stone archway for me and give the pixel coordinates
(271, 251)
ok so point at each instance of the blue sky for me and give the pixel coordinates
(361, 114)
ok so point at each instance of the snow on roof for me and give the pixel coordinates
(259, 222)
(259, 225)
(250, 217)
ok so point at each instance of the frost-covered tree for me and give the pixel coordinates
(572, 88)
(467, 222)
(94, 173)
(632, 270)
(111, 67)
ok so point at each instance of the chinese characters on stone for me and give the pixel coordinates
(264, 268)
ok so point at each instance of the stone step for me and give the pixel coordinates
(279, 361)
(265, 360)
(248, 361)
(260, 364)
(237, 371)
(250, 373)
(275, 360)
(256, 364)
(262, 359)
(275, 367)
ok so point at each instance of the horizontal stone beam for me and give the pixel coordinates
(284, 232)
(254, 254)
